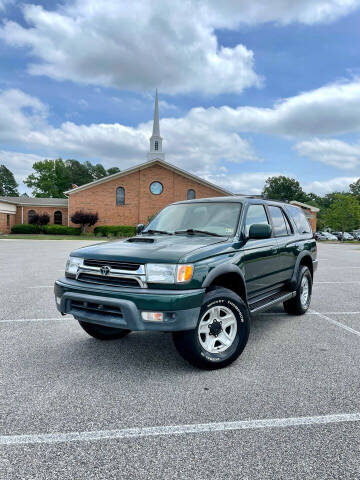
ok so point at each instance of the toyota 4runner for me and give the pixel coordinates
(198, 270)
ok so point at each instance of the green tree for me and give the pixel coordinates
(113, 170)
(344, 213)
(283, 188)
(50, 179)
(79, 172)
(96, 171)
(355, 189)
(8, 185)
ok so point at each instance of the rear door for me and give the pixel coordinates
(286, 241)
(260, 256)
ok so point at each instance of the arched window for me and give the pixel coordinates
(120, 196)
(191, 194)
(156, 145)
(58, 217)
(31, 215)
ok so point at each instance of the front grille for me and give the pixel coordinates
(96, 307)
(112, 264)
(104, 280)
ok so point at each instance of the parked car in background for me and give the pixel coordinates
(325, 236)
(345, 236)
(356, 235)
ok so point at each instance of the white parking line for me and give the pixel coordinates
(335, 322)
(15, 320)
(318, 283)
(177, 429)
(41, 286)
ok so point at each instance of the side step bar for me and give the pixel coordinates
(269, 301)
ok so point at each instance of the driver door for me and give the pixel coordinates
(260, 256)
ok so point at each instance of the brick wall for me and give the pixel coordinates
(311, 216)
(4, 227)
(40, 210)
(140, 203)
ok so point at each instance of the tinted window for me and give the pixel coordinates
(288, 226)
(300, 220)
(278, 221)
(255, 214)
(220, 218)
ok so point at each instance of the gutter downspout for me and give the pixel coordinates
(22, 214)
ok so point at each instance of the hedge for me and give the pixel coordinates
(26, 228)
(116, 230)
(47, 229)
(60, 230)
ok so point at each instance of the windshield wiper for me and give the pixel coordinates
(158, 231)
(192, 231)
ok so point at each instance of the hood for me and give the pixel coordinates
(150, 249)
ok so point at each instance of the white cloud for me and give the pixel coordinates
(133, 46)
(144, 44)
(331, 152)
(338, 184)
(329, 110)
(20, 164)
(193, 146)
(242, 183)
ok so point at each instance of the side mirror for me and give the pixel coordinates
(260, 230)
(140, 228)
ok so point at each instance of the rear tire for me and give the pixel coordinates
(221, 333)
(103, 333)
(299, 304)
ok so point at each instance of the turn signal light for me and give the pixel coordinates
(184, 273)
(152, 316)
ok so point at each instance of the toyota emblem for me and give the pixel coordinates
(105, 270)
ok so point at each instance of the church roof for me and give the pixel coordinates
(144, 165)
(39, 201)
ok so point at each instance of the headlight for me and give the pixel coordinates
(167, 273)
(72, 265)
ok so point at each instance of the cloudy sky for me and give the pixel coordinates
(248, 89)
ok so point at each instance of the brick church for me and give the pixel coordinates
(125, 198)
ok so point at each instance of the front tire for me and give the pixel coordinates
(299, 304)
(103, 333)
(221, 333)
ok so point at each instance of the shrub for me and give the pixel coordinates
(61, 230)
(42, 219)
(26, 228)
(84, 219)
(118, 230)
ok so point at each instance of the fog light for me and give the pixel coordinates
(152, 316)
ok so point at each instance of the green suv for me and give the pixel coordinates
(198, 270)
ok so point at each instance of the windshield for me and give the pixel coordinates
(218, 218)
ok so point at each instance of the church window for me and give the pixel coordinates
(191, 194)
(120, 196)
(31, 215)
(58, 217)
(156, 145)
(156, 188)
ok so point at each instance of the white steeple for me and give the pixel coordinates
(155, 139)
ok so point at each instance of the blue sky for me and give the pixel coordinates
(246, 91)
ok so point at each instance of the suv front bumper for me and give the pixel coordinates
(122, 307)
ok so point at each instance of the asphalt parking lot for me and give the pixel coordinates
(72, 407)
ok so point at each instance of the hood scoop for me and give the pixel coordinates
(140, 240)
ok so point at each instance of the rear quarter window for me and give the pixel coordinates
(300, 219)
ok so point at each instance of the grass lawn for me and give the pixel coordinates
(40, 236)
